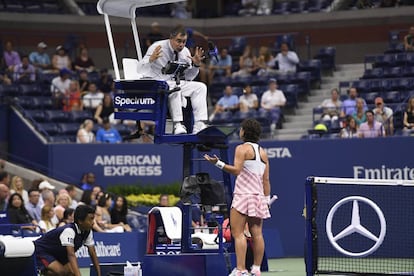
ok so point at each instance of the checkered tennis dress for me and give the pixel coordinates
(248, 196)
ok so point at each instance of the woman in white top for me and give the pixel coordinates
(60, 59)
(85, 134)
(46, 223)
(17, 187)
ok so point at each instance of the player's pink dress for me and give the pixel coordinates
(248, 197)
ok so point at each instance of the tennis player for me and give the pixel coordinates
(55, 250)
(251, 195)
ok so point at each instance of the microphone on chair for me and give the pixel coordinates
(212, 51)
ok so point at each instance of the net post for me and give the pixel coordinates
(309, 258)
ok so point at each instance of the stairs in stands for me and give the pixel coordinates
(297, 123)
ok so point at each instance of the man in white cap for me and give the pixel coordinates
(45, 185)
(40, 59)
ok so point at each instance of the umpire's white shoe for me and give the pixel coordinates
(179, 129)
(198, 126)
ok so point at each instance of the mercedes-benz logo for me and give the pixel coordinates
(356, 226)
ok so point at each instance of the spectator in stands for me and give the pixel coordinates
(40, 59)
(24, 72)
(272, 101)
(349, 105)
(97, 193)
(191, 43)
(18, 214)
(92, 98)
(247, 63)
(408, 119)
(68, 217)
(108, 134)
(4, 195)
(164, 201)
(83, 82)
(227, 103)
(371, 128)
(248, 101)
(73, 193)
(59, 86)
(154, 35)
(63, 201)
(61, 59)
(286, 59)
(409, 40)
(105, 109)
(331, 107)
(49, 199)
(119, 212)
(248, 7)
(384, 115)
(359, 114)
(86, 198)
(84, 61)
(265, 62)
(45, 185)
(4, 78)
(85, 134)
(351, 128)
(18, 187)
(73, 101)
(11, 57)
(220, 66)
(182, 10)
(34, 206)
(88, 181)
(264, 7)
(105, 81)
(46, 223)
(5, 178)
(103, 216)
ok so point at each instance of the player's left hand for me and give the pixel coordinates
(198, 56)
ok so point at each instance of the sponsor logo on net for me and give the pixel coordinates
(383, 172)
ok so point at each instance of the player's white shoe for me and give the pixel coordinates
(237, 272)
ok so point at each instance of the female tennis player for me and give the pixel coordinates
(251, 195)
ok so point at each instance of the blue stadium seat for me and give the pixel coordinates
(408, 71)
(57, 116)
(375, 85)
(223, 117)
(374, 73)
(298, 6)
(362, 86)
(400, 84)
(241, 81)
(314, 67)
(11, 90)
(370, 97)
(392, 72)
(63, 139)
(25, 102)
(30, 90)
(48, 129)
(80, 116)
(289, 39)
(43, 102)
(237, 46)
(327, 56)
(385, 60)
(122, 129)
(303, 80)
(391, 96)
(238, 91)
(315, 5)
(47, 77)
(68, 128)
(281, 7)
(35, 115)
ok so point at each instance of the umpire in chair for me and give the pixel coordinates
(171, 61)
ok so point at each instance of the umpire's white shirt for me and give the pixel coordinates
(197, 91)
